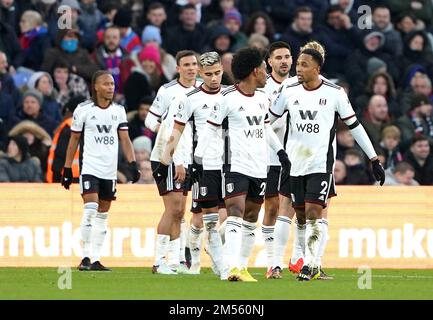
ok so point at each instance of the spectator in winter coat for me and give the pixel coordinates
(17, 166)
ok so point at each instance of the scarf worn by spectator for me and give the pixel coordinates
(419, 128)
(27, 38)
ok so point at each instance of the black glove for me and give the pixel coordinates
(134, 171)
(285, 166)
(160, 172)
(66, 178)
(196, 172)
(378, 171)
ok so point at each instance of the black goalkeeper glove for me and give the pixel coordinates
(66, 178)
(196, 172)
(160, 171)
(378, 171)
(135, 172)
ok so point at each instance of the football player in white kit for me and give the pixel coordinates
(172, 181)
(248, 137)
(313, 106)
(100, 123)
(275, 227)
(195, 107)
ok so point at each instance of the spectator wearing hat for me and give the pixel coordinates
(39, 141)
(66, 83)
(57, 153)
(68, 49)
(42, 82)
(17, 166)
(32, 110)
(220, 40)
(145, 78)
(89, 21)
(417, 51)
(233, 22)
(34, 40)
(142, 148)
(189, 35)
(128, 38)
(361, 60)
(110, 56)
(7, 83)
(420, 157)
(152, 34)
(418, 121)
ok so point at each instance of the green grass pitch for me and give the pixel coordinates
(140, 283)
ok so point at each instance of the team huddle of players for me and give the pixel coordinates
(267, 138)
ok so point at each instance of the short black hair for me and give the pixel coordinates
(107, 6)
(154, 6)
(334, 8)
(278, 45)
(187, 6)
(315, 55)
(417, 138)
(244, 61)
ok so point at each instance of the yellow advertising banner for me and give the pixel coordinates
(379, 227)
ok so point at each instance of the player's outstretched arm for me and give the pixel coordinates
(128, 151)
(74, 140)
(364, 142)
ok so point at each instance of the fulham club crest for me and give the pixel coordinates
(203, 191)
(230, 187)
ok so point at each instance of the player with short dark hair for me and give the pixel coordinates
(313, 106)
(273, 225)
(172, 181)
(244, 106)
(100, 123)
(195, 107)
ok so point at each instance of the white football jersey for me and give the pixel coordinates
(246, 118)
(196, 107)
(101, 141)
(312, 124)
(161, 108)
(279, 126)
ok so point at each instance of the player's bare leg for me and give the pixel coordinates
(268, 228)
(233, 236)
(313, 237)
(281, 234)
(172, 215)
